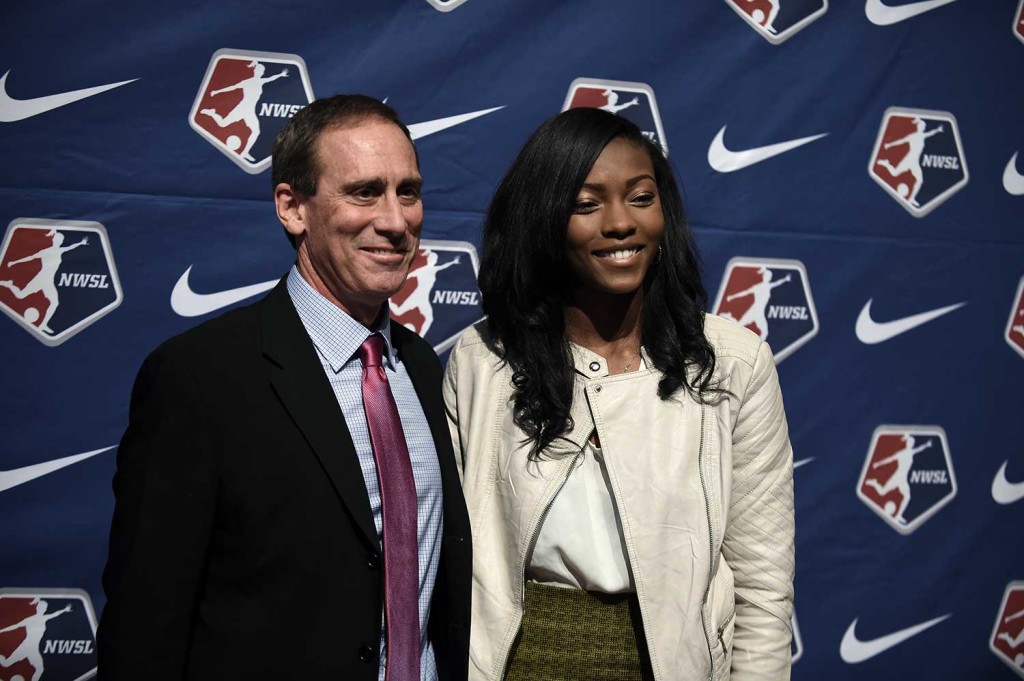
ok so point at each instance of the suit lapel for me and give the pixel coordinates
(299, 381)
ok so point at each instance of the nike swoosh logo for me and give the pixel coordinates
(801, 462)
(870, 332)
(854, 651)
(188, 303)
(19, 476)
(19, 109)
(725, 161)
(880, 14)
(1013, 182)
(418, 130)
(1004, 491)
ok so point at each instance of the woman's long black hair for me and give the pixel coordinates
(525, 277)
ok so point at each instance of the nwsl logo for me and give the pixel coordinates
(1018, 22)
(1014, 334)
(907, 476)
(1007, 640)
(245, 100)
(772, 298)
(440, 298)
(47, 634)
(778, 20)
(634, 101)
(918, 158)
(57, 278)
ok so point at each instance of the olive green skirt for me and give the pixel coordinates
(569, 634)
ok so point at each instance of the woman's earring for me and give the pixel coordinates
(657, 257)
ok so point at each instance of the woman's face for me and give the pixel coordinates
(617, 222)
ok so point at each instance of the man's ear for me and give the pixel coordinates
(288, 204)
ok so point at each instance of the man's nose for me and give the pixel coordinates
(391, 215)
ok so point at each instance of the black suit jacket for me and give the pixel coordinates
(243, 544)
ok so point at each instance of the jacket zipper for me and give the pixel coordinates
(529, 552)
(711, 546)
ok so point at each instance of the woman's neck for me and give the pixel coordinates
(608, 325)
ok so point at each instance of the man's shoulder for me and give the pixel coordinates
(230, 334)
(411, 347)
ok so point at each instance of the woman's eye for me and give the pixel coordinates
(644, 198)
(584, 206)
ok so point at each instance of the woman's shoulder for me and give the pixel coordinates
(475, 346)
(730, 340)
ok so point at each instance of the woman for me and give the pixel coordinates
(625, 457)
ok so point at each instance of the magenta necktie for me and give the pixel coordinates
(398, 508)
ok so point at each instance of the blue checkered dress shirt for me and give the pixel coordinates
(337, 338)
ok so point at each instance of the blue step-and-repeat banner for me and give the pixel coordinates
(853, 170)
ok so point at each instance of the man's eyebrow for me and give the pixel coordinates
(375, 183)
(379, 184)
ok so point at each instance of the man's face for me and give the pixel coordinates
(360, 232)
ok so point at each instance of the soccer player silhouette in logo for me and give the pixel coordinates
(245, 110)
(904, 459)
(762, 293)
(45, 280)
(1014, 641)
(35, 629)
(911, 161)
(769, 21)
(425, 277)
(613, 105)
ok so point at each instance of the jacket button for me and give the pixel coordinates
(594, 366)
(366, 653)
(373, 561)
(597, 388)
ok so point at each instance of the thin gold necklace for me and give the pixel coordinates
(636, 355)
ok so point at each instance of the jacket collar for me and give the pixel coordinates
(336, 335)
(298, 379)
(589, 367)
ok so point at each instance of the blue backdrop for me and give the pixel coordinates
(851, 169)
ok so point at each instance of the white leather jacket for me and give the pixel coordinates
(704, 494)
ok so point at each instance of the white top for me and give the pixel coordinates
(580, 543)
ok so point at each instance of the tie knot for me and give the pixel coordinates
(371, 351)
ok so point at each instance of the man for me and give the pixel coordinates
(268, 449)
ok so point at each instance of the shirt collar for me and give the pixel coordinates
(592, 365)
(336, 335)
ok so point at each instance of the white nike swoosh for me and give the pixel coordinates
(1004, 491)
(801, 462)
(1013, 182)
(19, 109)
(726, 161)
(418, 130)
(871, 332)
(18, 476)
(854, 651)
(880, 14)
(188, 303)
